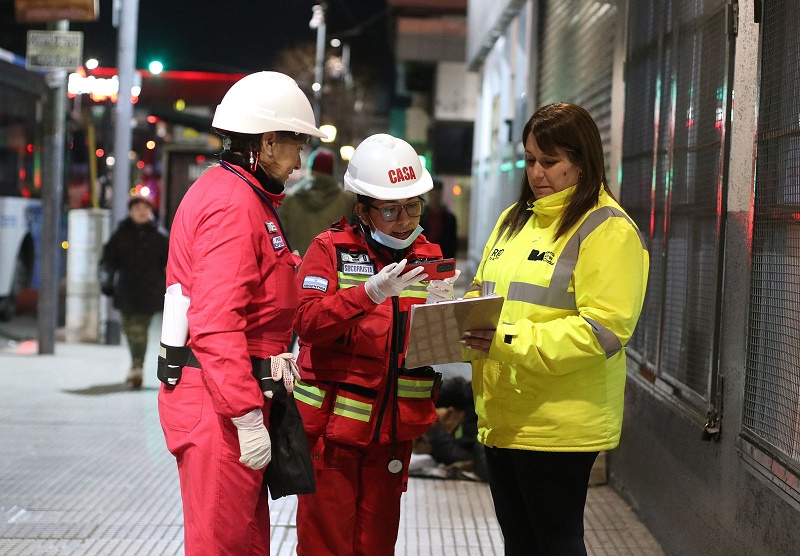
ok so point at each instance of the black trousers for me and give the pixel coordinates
(539, 498)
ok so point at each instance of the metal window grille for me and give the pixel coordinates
(673, 171)
(772, 382)
(577, 60)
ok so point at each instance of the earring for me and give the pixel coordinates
(253, 160)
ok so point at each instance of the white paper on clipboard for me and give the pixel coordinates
(437, 328)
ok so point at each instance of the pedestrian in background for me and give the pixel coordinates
(230, 255)
(361, 409)
(549, 383)
(315, 203)
(439, 223)
(132, 271)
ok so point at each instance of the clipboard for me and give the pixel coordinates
(436, 329)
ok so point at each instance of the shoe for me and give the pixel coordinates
(135, 378)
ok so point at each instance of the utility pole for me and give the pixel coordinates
(318, 22)
(52, 193)
(128, 24)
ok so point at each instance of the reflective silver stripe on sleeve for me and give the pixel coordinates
(608, 340)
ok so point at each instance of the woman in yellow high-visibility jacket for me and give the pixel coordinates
(549, 381)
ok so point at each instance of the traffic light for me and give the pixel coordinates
(155, 67)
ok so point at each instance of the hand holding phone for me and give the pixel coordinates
(436, 270)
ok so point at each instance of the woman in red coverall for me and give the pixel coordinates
(228, 252)
(361, 409)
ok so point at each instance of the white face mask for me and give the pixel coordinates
(392, 242)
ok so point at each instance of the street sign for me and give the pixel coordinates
(51, 50)
(45, 11)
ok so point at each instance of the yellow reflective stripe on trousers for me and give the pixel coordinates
(308, 394)
(353, 409)
(414, 388)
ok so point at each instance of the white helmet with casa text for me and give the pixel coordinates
(265, 101)
(386, 168)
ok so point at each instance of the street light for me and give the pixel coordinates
(318, 22)
(330, 131)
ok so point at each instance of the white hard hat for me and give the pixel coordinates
(386, 168)
(265, 101)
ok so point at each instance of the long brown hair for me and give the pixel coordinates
(570, 128)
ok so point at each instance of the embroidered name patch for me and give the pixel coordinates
(351, 268)
(277, 243)
(271, 227)
(315, 283)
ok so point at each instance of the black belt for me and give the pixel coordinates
(172, 360)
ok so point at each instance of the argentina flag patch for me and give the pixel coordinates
(315, 283)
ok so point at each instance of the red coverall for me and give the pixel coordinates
(229, 254)
(348, 398)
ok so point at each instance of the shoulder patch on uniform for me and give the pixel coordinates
(278, 243)
(315, 283)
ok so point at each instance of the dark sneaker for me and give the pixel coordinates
(135, 378)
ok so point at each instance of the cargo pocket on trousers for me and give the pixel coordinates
(180, 407)
(351, 419)
(416, 389)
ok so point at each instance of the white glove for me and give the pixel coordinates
(283, 368)
(389, 281)
(442, 290)
(254, 444)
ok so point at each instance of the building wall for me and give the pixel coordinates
(699, 494)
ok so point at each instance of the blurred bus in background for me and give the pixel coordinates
(22, 95)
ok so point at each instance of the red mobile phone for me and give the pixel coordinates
(436, 270)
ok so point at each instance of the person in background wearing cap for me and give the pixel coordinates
(315, 203)
(132, 271)
(439, 223)
(361, 409)
(232, 259)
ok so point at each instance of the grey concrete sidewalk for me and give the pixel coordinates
(84, 470)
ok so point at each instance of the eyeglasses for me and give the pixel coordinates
(390, 213)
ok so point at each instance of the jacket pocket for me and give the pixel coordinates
(352, 416)
(371, 336)
(416, 392)
(314, 401)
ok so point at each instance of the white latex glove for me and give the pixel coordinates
(389, 281)
(254, 443)
(442, 290)
(283, 368)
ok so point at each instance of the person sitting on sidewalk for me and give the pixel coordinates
(450, 448)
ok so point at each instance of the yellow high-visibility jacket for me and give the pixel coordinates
(554, 379)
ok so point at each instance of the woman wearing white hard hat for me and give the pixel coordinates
(231, 257)
(361, 409)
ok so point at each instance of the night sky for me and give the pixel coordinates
(233, 36)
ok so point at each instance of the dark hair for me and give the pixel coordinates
(243, 142)
(133, 201)
(570, 128)
(455, 392)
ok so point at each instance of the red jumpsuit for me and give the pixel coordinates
(360, 408)
(228, 252)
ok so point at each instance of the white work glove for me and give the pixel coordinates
(254, 443)
(389, 281)
(283, 368)
(442, 290)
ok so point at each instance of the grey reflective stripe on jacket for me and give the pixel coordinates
(557, 295)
